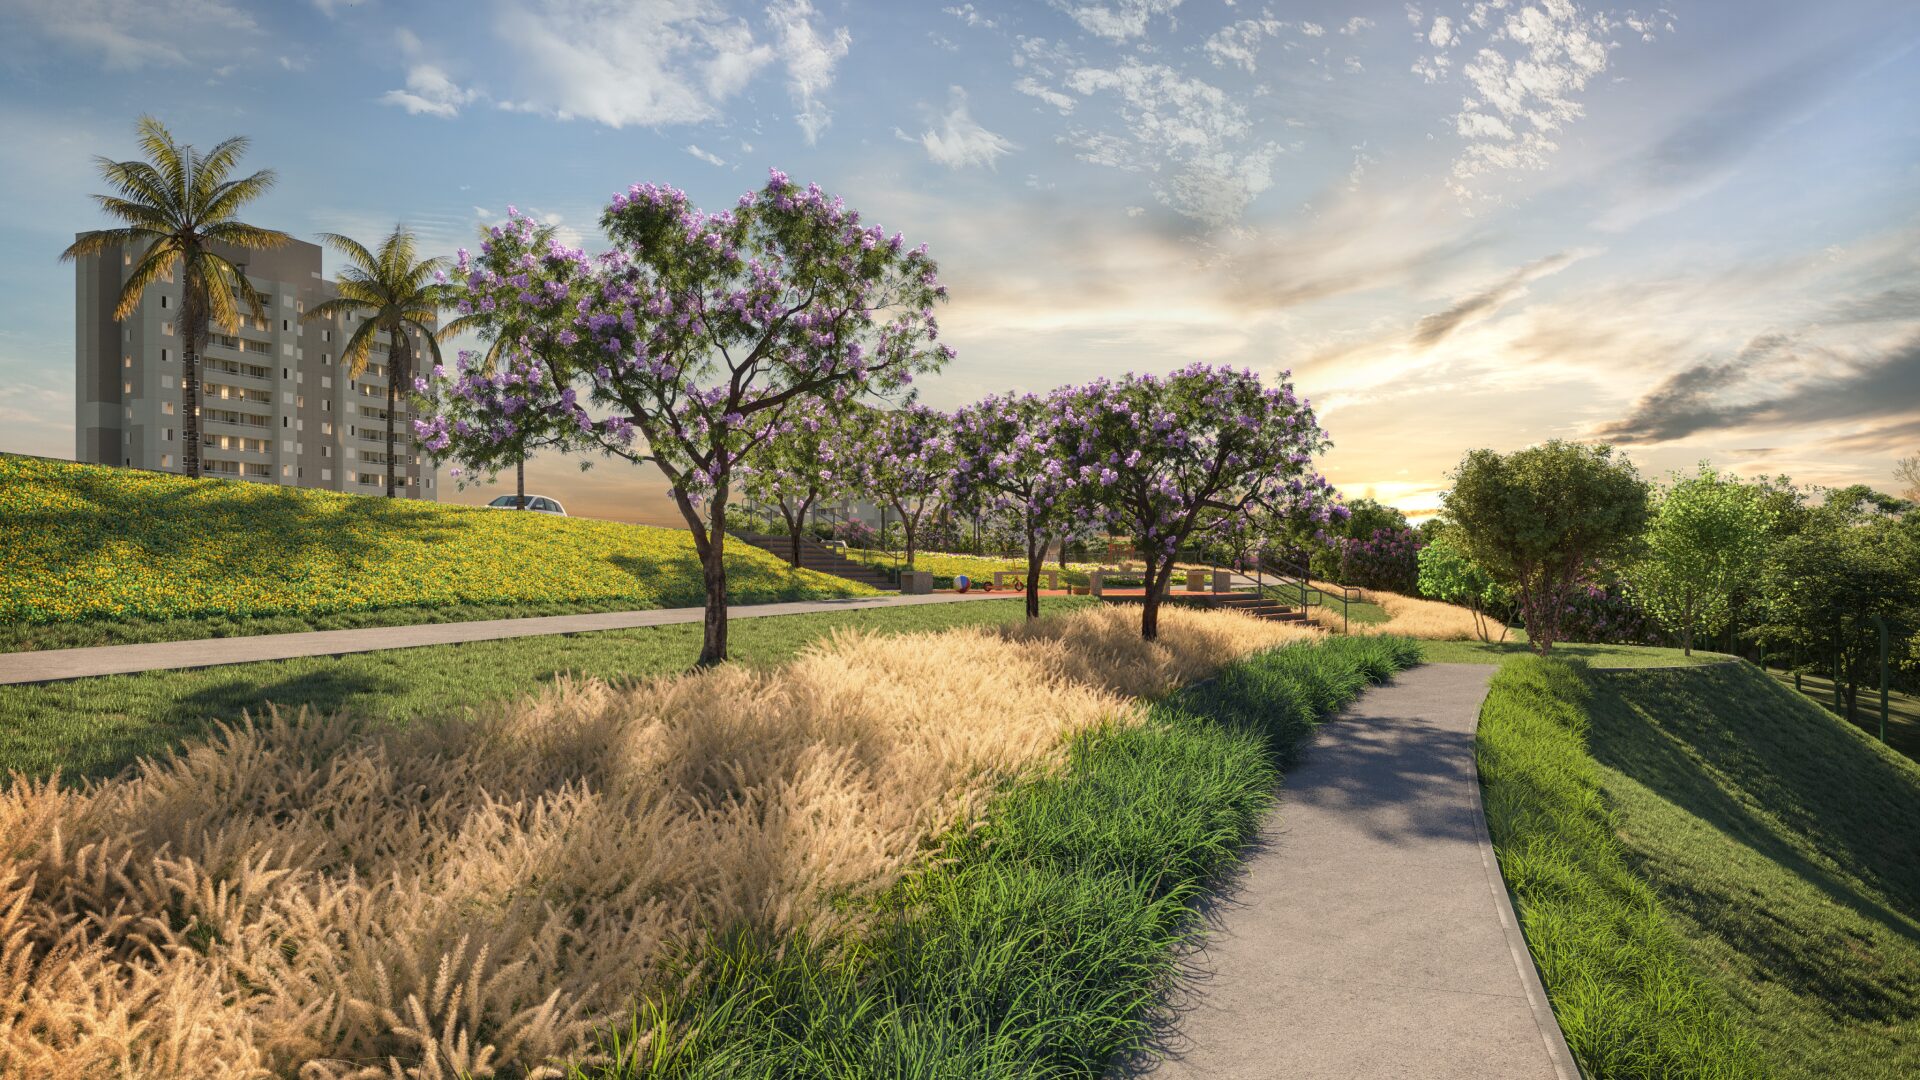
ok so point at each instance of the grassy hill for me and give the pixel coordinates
(85, 544)
(1717, 876)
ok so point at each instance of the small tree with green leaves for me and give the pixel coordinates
(177, 208)
(1449, 574)
(1537, 519)
(1707, 539)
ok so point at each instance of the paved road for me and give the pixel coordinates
(52, 664)
(1370, 934)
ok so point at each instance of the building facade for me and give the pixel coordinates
(277, 405)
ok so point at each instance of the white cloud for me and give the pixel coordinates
(971, 16)
(1239, 43)
(961, 142)
(1196, 138)
(1120, 20)
(1312, 29)
(1356, 25)
(665, 62)
(134, 34)
(430, 92)
(707, 156)
(1032, 87)
(1525, 79)
(809, 58)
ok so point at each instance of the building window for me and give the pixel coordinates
(326, 335)
(285, 422)
(166, 434)
(167, 406)
(286, 325)
(326, 404)
(326, 382)
(326, 451)
(163, 300)
(164, 356)
(166, 461)
(286, 471)
(127, 259)
(166, 328)
(166, 382)
(126, 361)
(129, 388)
(326, 427)
(326, 474)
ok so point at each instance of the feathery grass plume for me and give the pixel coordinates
(1407, 616)
(476, 896)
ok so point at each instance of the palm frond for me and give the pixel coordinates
(227, 288)
(248, 237)
(426, 332)
(100, 241)
(214, 167)
(138, 214)
(159, 258)
(332, 309)
(354, 250)
(225, 200)
(171, 160)
(359, 348)
(140, 182)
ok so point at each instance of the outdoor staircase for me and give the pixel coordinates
(1259, 606)
(814, 556)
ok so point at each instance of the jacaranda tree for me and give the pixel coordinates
(1168, 456)
(805, 460)
(905, 460)
(689, 342)
(1019, 458)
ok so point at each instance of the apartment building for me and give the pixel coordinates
(277, 405)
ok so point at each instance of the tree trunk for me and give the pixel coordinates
(1064, 541)
(189, 404)
(1150, 604)
(906, 530)
(713, 647)
(1036, 558)
(795, 524)
(1686, 639)
(520, 482)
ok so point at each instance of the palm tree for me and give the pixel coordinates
(176, 206)
(391, 292)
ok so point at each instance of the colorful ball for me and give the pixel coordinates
(961, 583)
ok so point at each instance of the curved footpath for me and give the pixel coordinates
(49, 665)
(1370, 934)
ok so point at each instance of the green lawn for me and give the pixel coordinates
(94, 727)
(1600, 656)
(1038, 944)
(128, 551)
(1903, 710)
(1715, 876)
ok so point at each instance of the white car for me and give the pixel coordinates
(539, 504)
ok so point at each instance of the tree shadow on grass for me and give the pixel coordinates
(1668, 731)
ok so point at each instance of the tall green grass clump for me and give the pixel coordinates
(1621, 983)
(1037, 944)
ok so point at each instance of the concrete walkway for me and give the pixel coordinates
(54, 664)
(1370, 934)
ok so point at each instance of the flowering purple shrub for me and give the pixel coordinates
(1388, 560)
(690, 341)
(1605, 614)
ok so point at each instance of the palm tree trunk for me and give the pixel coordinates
(190, 405)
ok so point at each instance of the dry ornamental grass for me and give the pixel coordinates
(478, 896)
(1407, 616)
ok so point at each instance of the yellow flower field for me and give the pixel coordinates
(87, 542)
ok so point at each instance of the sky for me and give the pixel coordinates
(1692, 231)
